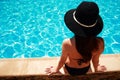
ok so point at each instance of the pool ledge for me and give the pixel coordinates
(36, 66)
(111, 75)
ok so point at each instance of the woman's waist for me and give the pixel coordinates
(76, 65)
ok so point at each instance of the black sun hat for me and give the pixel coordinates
(84, 20)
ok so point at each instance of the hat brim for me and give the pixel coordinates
(80, 30)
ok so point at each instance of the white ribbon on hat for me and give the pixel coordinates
(81, 23)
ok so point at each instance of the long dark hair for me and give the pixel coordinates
(85, 46)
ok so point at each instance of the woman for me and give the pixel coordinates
(77, 52)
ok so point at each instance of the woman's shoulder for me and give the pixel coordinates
(101, 45)
(68, 42)
(100, 39)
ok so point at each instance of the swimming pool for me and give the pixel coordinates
(31, 28)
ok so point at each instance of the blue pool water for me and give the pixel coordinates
(35, 28)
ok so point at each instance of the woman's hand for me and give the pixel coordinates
(101, 68)
(51, 71)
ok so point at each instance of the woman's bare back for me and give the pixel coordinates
(74, 55)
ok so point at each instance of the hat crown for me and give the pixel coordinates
(87, 13)
(84, 20)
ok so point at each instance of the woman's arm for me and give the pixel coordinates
(95, 61)
(96, 65)
(95, 58)
(62, 58)
(64, 55)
